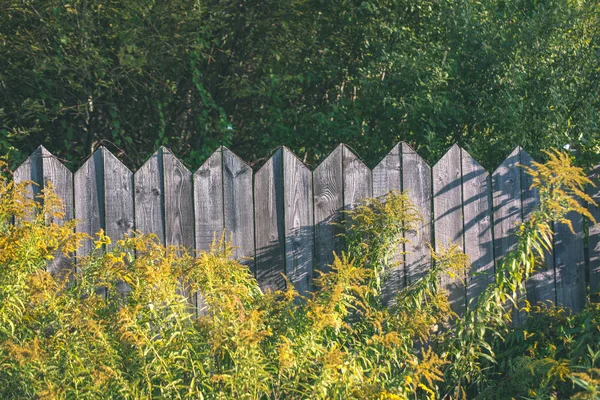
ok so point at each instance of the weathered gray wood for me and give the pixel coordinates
(269, 218)
(448, 222)
(238, 206)
(476, 184)
(594, 233)
(299, 233)
(387, 176)
(179, 202)
(357, 178)
(506, 181)
(570, 264)
(31, 171)
(416, 182)
(328, 203)
(540, 287)
(118, 197)
(62, 181)
(118, 202)
(61, 178)
(208, 200)
(44, 169)
(89, 199)
(149, 197)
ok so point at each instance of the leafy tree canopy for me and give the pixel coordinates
(256, 74)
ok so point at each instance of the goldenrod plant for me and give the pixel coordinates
(116, 323)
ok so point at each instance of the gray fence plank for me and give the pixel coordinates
(570, 264)
(88, 185)
(269, 217)
(62, 180)
(357, 179)
(416, 182)
(506, 181)
(30, 170)
(149, 197)
(594, 233)
(238, 206)
(540, 286)
(328, 203)
(42, 167)
(118, 202)
(208, 200)
(292, 211)
(118, 197)
(476, 184)
(387, 176)
(447, 208)
(298, 211)
(179, 202)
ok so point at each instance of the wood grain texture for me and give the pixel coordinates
(43, 169)
(387, 176)
(61, 178)
(328, 203)
(448, 222)
(594, 233)
(149, 197)
(506, 193)
(269, 219)
(31, 171)
(357, 178)
(88, 185)
(238, 206)
(118, 197)
(569, 264)
(299, 233)
(540, 287)
(477, 208)
(208, 201)
(416, 182)
(179, 202)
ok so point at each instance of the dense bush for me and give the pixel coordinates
(117, 325)
(255, 74)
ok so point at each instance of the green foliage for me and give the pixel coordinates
(119, 326)
(308, 74)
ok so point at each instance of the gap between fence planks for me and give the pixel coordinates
(279, 218)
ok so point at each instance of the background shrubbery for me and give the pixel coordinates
(255, 74)
(116, 326)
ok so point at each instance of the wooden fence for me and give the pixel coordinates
(279, 217)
